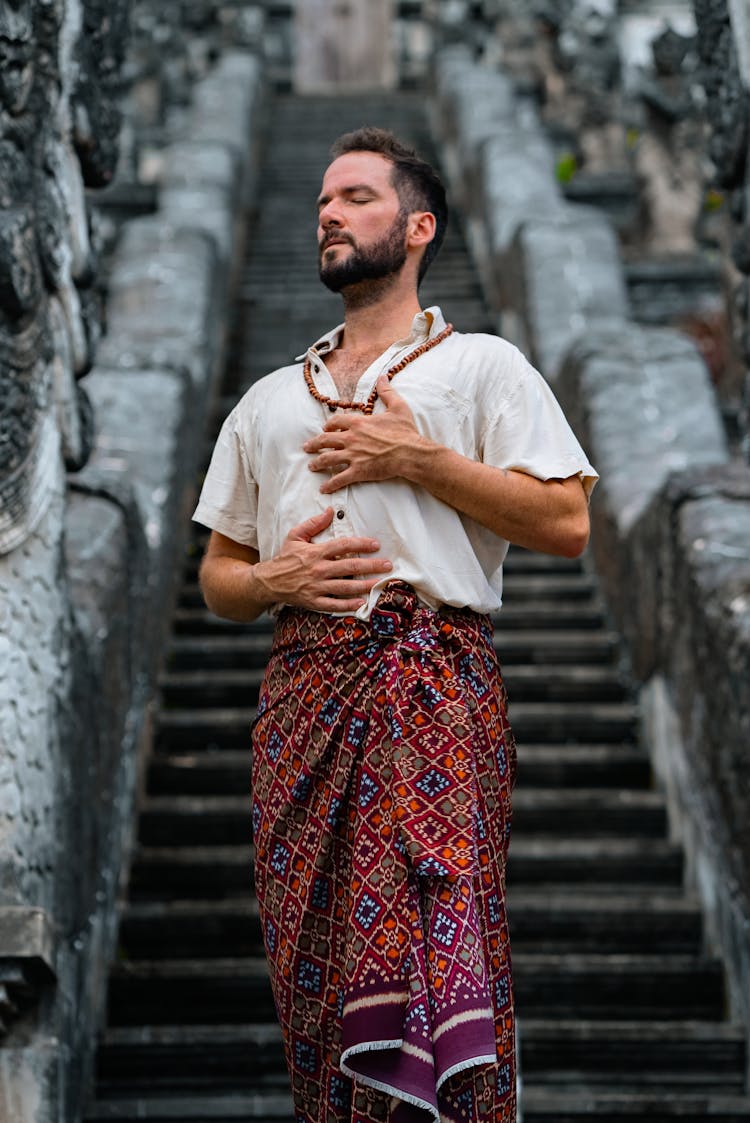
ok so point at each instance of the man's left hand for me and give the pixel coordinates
(357, 448)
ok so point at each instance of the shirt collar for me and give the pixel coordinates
(424, 326)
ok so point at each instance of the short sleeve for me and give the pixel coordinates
(530, 432)
(228, 501)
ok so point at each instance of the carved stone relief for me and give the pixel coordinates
(578, 59)
(59, 72)
(669, 155)
(345, 45)
(727, 91)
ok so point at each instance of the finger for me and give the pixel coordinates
(338, 604)
(339, 422)
(347, 589)
(325, 440)
(386, 392)
(329, 462)
(338, 548)
(306, 531)
(356, 568)
(339, 481)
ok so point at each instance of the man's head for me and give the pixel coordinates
(374, 178)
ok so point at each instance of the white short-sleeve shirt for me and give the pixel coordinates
(473, 393)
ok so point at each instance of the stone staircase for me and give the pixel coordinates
(622, 1009)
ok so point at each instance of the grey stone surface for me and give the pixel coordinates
(671, 514)
(709, 627)
(723, 53)
(29, 1083)
(563, 278)
(697, 531)
(643, 398)
(145, 442)
(59, 126)
(695, 818)
(517, 169)
(472, 104)
(34, 654)
(85, 601)
(161, 309)
(226, 103)
(27, 933)
(641, 402)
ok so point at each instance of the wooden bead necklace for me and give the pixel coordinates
(368, 406)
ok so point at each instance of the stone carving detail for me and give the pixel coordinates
(578, 58)
(53, 140)
(669, 154)
(728, 110)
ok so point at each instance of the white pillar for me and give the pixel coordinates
(344, 45)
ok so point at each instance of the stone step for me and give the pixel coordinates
(219, 1107)
(550, 614)
(529, 683)
(208, 652)
(686, 1056)
(588, 813)
(556, 922)
(586, 986)
(519, 564)
(578, 1105)
(517, 587)
(547, 722)
(629, 865)
(548, 1105)
(250, 649)
(626, 864)
(227, 771)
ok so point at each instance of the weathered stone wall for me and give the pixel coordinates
(671, 515)
(725, 74)
(87, 580)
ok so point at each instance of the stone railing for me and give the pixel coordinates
(671, 515)
(90, 594)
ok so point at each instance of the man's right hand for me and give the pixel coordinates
(329, 576)
(323, 576)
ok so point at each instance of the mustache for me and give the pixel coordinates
(326, 240)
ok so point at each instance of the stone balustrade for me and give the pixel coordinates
(92, 590)
(671, 515)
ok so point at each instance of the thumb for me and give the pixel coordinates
(386, 393)
(306, 531)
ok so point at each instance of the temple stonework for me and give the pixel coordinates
(600, 152)
(344, 45)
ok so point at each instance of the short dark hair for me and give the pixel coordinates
(417, 184)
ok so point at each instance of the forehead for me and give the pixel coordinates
(356, 169)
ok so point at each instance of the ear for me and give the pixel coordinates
(421, 228)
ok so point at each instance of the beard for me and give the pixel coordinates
(365, 264)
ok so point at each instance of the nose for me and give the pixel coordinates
(329, 215)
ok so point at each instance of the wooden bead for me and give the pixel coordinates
(368, 406)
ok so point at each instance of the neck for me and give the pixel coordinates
(377, 322)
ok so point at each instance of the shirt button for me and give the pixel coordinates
(340, 513)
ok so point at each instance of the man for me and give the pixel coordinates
(368, 496)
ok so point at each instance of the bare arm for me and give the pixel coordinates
(321, 576)
(547, 515)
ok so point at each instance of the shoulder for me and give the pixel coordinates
(494, 364)
(486, 348)
(268, 391)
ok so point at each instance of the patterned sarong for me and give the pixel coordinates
(382, 772)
